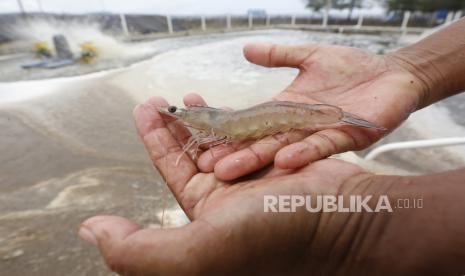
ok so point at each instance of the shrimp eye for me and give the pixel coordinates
(172, 109)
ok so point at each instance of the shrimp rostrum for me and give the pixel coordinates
(217, 126)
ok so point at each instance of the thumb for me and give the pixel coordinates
(109, 227)
(130, 250)
(275, 55)
(108, 233)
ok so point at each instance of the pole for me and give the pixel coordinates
(169, 23)
(449, 17)
(458, 15)
(293, 20)
(102, 2)
(267, 20)
(325, 18)
(250, 20)
(21, 7)
(228, 22)
(203, 23)
(360, 21)
(124, 24)
(326, 15)
(438, 142)
(405, 22)
(39, 4)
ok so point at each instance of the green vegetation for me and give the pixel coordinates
(425, 5)
(393, 5)
(337, 4)
(317, 5)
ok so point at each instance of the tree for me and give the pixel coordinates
(348, 4)
(317, 5)
(338, 4)
(425, 5)
(402, 5)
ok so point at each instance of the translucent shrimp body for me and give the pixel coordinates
(264, 119)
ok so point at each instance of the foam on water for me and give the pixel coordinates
(77, 33)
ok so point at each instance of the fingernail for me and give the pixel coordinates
(87, 235)
(137, 107)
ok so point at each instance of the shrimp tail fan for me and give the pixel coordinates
(357, 121)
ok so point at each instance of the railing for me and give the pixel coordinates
(292, 20)
(440, 142)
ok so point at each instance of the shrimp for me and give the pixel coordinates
(217, 126)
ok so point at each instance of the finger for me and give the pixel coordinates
(91, 230)
(163, 147)
(320, 145)
(174, 125)
(181, 133)
(197, 100)
(194, 99)
(275, 55)
(269, 171)
(254, 157)
(128, 250)
(209, 158)
(326, 167)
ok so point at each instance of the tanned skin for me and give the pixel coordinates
(230, 234)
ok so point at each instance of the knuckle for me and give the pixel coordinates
(282, 139)
(272, 55)
(114, 261)
(351, 141)
(328, 143)
(255, 155)
(312, 145)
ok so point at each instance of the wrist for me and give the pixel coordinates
(437, 61)
(379, 237)
(426, 240)
(351, 239)
(413, 68)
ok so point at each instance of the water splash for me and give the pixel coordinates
(77, 32)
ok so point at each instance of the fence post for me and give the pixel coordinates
(293, 20)
(228, 21)
(250, 21)
(449, 18)
(267, 20)
(124, 24)
(203, 23)
(404, 25)
(458, 15)
(360, 21)
(169, 23)
(325, 18)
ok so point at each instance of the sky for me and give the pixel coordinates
(158, 6)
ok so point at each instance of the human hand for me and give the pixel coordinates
(230, 234)
(374, 87)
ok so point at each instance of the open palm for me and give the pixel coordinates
(373, 87)
(230, 234)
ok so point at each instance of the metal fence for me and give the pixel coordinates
(132, 24)
(205, 23)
